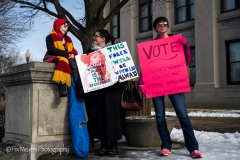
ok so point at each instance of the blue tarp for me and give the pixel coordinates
(78, 123)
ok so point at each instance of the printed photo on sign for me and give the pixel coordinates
(95, 72)
(163, 67)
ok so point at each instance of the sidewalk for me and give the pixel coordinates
(125, 152)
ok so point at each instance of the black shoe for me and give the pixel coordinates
(113, 148)
(103, 151)
(113, 151)
(62, 90)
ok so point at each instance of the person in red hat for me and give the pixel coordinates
(60, 50)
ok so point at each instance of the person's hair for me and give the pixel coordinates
(104, 33)
(159, 19)
(68, 24)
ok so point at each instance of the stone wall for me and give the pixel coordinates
(36, 117)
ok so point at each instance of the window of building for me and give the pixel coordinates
(184, 10)
(233, 61)
(229, 5)
(115, 26)
(192, 67)
(145, 18)
(115, 22)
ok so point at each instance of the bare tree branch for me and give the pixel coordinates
(115, 11)
(82, 28)
(73, 20)
(101, 7)
(36, 7)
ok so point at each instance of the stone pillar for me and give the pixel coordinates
(106, 11)
(206, 40)
(36, 117)
(216, 53)
(134, 30)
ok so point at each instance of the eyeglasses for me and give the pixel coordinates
(162, 24)
(94, 36)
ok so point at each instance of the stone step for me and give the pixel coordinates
(214, 124)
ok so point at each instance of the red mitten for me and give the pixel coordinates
(142, 89)
(182, 40)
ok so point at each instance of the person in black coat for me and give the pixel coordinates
(106, 119)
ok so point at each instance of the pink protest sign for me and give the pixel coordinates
(163, 67)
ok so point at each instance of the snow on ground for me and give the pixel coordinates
(208, 137)
(211, 137)
(213, 145)
(212, 113)
(208, 113)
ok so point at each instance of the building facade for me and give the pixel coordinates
(212, 28)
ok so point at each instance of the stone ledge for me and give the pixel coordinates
(33, 72)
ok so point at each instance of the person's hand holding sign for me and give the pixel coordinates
(141, 84)
(141, 87)
(182, 40)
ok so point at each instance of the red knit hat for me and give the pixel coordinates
(57, 24)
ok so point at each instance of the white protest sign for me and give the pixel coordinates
(105, 67)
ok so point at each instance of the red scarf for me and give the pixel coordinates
(63, 71)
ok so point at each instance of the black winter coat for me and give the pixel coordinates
(106, 119)
(52, 50)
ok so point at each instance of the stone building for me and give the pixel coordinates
(212, 29)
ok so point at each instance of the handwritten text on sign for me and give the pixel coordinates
(163, 67)
(120, 58)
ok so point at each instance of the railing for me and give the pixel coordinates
(147, 103)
